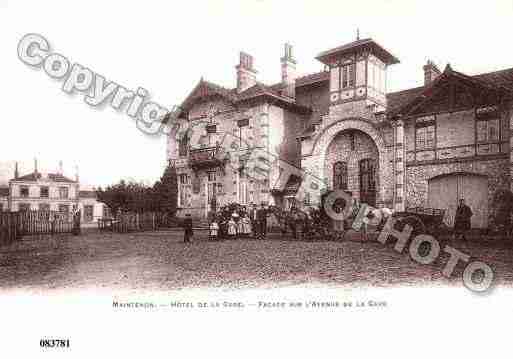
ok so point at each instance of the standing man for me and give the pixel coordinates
(253, 218)
(187, 226)
(262, 221)
(462, 220)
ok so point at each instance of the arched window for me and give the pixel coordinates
(340, 176)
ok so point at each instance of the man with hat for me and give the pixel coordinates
(262, 220)
(254, 221)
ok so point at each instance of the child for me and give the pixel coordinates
(246, 226)
(232, 228)
(214, 228)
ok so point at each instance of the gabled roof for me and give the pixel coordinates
(35, 176)
(205, 89)
(494, 84)
(358, 45)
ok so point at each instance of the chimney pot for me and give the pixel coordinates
(288, 72)
(431, 72)
(246, 74)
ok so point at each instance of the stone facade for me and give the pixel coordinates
(414, 136)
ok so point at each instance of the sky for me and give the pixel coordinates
(166, 47)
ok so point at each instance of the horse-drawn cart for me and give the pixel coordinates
(422, 220)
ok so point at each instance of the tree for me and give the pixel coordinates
(139, 197)
(165, 191)
(128, 197)
(114, 196)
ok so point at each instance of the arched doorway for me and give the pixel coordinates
(352, 162)
(367, 179)
(444, 192)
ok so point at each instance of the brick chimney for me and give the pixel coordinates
(246, 74)
(431, 72)
(16, 173)
(60, 171)
(288, 72)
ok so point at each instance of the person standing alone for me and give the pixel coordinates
(462, 220)
(187, 226)
(262, 221)
(254, 221)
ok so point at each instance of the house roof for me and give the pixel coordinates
(205, 89)
(312, 78)
(35, 176)
(357, 45)
(495, 83)
(502, 78)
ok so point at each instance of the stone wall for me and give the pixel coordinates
(417, 177)
(340, 150)
(315, 163)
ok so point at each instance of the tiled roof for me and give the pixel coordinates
(499, 78)
(494, 81)
(354, 46)
(396, 100)
(55, 177)
(206, 88)
(4, 191)
(312, 78)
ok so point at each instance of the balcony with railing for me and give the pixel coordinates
(204, 158)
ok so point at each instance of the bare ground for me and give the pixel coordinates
(161, 261)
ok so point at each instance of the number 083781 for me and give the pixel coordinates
(54, 343)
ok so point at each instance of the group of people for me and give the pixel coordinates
(233, 222)
(237, 222)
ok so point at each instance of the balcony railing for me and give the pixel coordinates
(204, 158)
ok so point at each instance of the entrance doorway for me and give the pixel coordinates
(368, 181)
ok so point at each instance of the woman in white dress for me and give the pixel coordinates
(232, 228)
(246, 226)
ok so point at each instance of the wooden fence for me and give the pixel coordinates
(9, 227)
(133, 222)
(47, 222)
(14, 225)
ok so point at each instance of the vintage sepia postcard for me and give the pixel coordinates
(268, 179)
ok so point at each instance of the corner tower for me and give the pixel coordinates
(358, 73)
